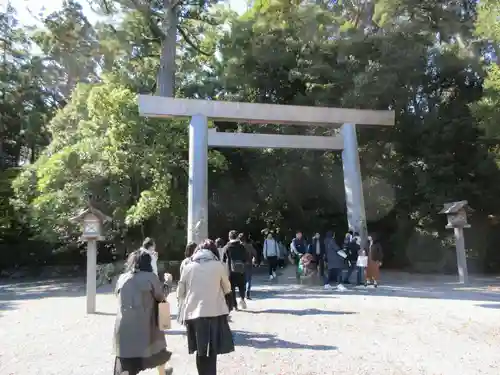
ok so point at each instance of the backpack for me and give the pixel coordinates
(238, 266)
(237, 257)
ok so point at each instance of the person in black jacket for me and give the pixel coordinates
(236, 257)
(352, 250)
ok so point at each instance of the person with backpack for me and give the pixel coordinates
(271, 253)
(236, 257)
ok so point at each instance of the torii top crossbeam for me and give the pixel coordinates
(159, 106)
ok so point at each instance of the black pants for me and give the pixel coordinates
(321, 266)
(334, 275)
(206, 365)
(350, 270)
(273, 264)
(237, 281)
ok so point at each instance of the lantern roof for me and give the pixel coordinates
(90, 210)
(455, 207)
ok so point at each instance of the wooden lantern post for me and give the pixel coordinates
(457, 220)
(91, 220)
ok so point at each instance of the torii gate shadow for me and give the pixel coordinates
(269, 341)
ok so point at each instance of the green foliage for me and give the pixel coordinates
(112, 155)
(435, 63)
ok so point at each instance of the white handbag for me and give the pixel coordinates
(342, 253)
(362, 261)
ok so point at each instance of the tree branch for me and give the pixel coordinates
(148, 15)
(188, 40)
(178, 4)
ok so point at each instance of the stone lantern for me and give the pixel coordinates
(91, 221)
(456, 214)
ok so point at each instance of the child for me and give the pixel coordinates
(361, 264)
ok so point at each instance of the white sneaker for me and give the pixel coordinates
(328, 286)
(341, 288)
(271, 277)
(274, 275)
(243, 304)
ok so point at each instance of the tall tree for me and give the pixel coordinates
(169, 21)
(71, 46)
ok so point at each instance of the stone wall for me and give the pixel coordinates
(44, 272)
(105, 272)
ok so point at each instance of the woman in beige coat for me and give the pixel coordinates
(203, 287)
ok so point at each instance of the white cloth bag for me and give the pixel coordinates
(362, 261)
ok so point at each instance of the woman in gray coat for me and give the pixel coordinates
(139, 344)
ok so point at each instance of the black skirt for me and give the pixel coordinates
(133, 366)
(209, 336)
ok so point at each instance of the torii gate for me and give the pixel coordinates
(201, 138)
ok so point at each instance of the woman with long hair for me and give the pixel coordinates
(219, 244)
(203, 286)
(375, 257)
(188, 253)
(139, 344)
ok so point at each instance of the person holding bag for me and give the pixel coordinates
(204, 286)
(139, 343)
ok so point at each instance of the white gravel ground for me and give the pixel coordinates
(420, 326)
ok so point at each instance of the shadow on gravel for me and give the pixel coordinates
(443, 292)
(104, 313)
(19, 291)
(394, 284)
(490, 305)
(41, 289)
(6, 305)
(268, 341)
(174, 332)
(306, 312)
(290, 295)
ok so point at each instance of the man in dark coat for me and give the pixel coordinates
(236, 257)
(352, 250)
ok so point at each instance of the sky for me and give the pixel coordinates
(29, 10)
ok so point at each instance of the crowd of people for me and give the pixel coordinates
(215, 278)
(336, 264)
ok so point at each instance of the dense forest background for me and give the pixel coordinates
(70, 129)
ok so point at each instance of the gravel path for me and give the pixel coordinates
(414, 328)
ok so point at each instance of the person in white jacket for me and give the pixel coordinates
(271, 252)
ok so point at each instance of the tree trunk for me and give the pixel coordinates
(165, 81)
